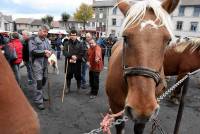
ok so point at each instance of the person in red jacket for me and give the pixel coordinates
(17, 45)
(95, 64)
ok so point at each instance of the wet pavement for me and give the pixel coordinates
(78, 114)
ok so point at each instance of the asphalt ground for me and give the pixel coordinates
(79, 114)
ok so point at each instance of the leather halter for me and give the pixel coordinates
(140, 70)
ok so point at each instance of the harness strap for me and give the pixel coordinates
(142, 71)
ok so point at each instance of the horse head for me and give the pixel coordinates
(147, 28)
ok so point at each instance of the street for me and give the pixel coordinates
(79, 114)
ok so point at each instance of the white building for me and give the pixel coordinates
(186, 19)
(115, 20)
(6, 23)
(23, 24)
(101, 15)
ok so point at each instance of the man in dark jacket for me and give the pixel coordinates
(58, 45)
(73, 51)
(26, 60)
(86, 46)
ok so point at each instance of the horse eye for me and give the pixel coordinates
(168, 42)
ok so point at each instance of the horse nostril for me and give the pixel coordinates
(128, 112)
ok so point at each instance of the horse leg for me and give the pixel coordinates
(177, 92)
(120, 127)
(139, 128)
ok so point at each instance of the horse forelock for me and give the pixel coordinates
(137, 11)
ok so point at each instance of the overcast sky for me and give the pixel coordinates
(39, 8)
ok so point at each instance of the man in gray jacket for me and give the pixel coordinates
(40, 50)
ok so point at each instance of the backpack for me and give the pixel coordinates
(10, 53)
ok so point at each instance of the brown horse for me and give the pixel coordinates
(136, 63)
(180, 59)
(16, 114)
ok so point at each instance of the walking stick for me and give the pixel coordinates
(49, 96)
(48, 88)
(66, 68)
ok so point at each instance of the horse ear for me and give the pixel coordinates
(170, 5)
(123, 6)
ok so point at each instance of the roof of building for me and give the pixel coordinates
(71, 19)
(104, 3)
(55, 24)
(23, 20)
(7, 18)
(190, 2)
(36, 22)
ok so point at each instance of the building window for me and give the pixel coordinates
(100, 9)
(7, 27)
(194, 26)
(88, 24)
(97, 24)
(196, 12)
(181, 11)
(100, 24)
(93, 24)
(101, 15)
(114, 11)
(179, 25)
(114, 22)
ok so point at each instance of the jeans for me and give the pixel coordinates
(58, 50)
(83, 73)
(15, 68)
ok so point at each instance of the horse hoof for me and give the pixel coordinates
(175, 101)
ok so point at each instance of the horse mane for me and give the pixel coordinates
(195, 42)
(193, 45)
(137, 12)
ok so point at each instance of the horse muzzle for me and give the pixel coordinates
(140, 118)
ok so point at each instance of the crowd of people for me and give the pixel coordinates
(81, 54)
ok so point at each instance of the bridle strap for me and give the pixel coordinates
(142, 71)
(138, 71)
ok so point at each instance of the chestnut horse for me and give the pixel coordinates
(180, 59)
(16, 114)
(136, 62)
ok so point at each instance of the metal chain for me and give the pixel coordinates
(155, 122)
(157, 125)
(125, 118)
(166, 93)
(117, 122)
(170, 90)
